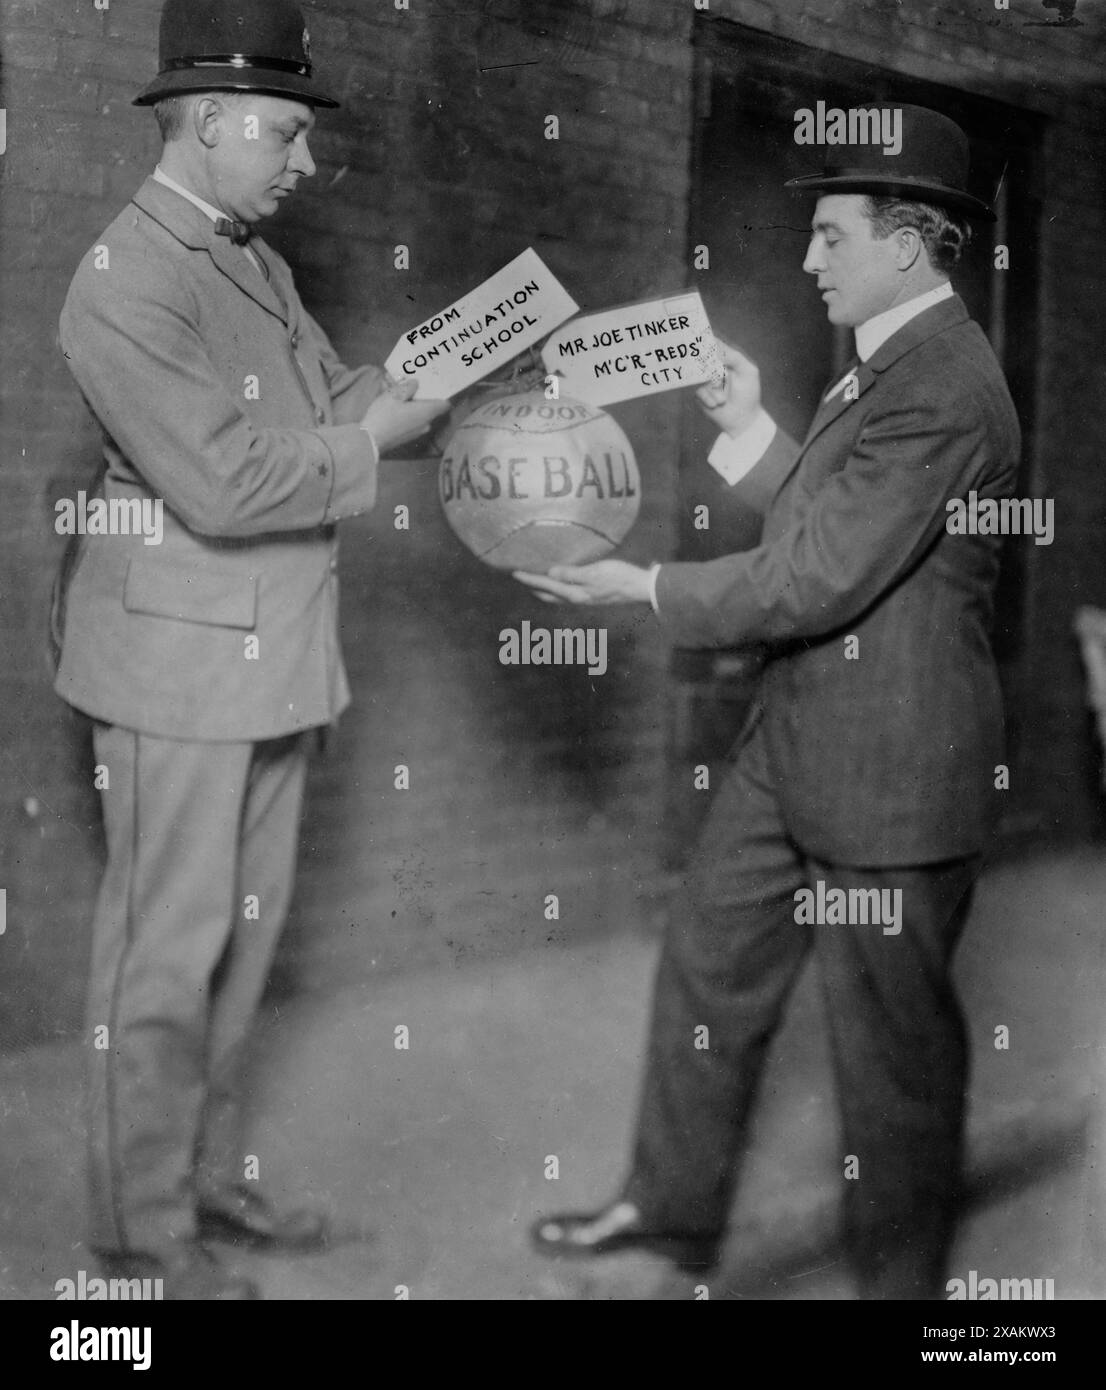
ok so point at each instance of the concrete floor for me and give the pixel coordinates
(435, 1157)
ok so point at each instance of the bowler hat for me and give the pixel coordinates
(931, 165)
(238, 45)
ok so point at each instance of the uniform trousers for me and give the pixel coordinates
(201, 852)
(731, 955)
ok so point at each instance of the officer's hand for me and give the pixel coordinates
(733, 405)
(394, 418)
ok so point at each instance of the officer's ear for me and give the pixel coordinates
(207, 120)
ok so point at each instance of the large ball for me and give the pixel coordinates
(528, 483)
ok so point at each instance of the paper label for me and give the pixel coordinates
(485, 330)
(635, 350)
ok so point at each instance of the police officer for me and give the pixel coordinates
(208, 661)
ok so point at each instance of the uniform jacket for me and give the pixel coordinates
(888, 758)
(171, 332)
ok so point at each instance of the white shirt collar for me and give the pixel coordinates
(872, 335)
(160, 176)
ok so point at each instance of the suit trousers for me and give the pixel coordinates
(201, 852)
(730, 957)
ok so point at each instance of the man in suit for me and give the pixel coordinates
(868, 765)
(210, 659)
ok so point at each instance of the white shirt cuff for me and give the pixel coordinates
(654, 570)
(735, 455)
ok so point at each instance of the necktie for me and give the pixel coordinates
(835, 391)
(239, 232)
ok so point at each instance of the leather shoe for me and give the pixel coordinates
(245, 1217)
(192, 1274)
(620, 1226)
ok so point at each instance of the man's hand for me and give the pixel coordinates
(733, 405)
(607, 581)
(394, 418)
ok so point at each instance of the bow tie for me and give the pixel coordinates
(239, 232)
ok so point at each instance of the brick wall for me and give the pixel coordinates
(524, 782)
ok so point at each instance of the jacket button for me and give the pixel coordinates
(295, 339)
(320, 415)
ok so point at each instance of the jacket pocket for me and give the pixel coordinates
(191, 596)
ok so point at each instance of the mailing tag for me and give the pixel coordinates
(635, 350)
(504, 316)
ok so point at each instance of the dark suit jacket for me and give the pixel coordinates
(889, 758)
(219, 395)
